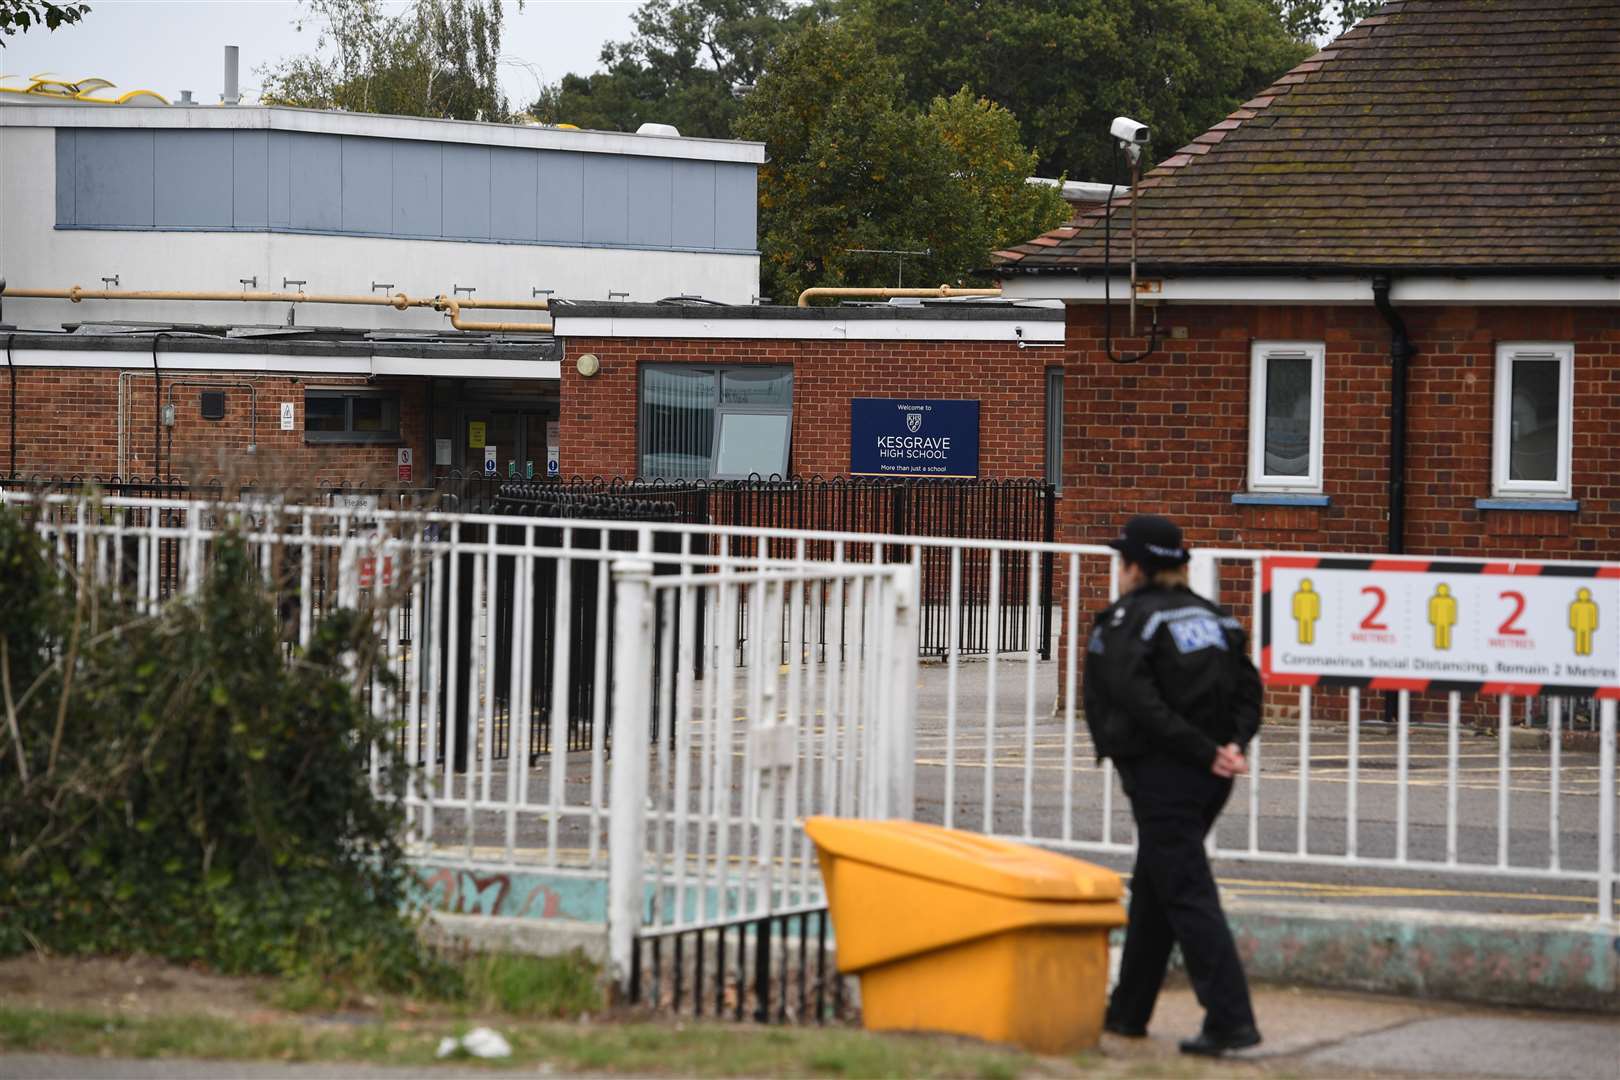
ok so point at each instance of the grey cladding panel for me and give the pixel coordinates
(112, 178)
(514, 184)
(736, 204)
(418, 189)
(562, 196)
(65, 170)
(648, 212)
(693, 205)
(192, 178)
(466, 191)
(250, 177)
(278, 179)
(315, 181)
(607, 197)
(368, 185)
(394, 187)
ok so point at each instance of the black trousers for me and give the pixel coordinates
(1173, 897)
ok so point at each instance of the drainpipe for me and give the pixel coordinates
(1401, 352)
(157, 411)
(12, 369)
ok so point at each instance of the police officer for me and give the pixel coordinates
(1173, 698)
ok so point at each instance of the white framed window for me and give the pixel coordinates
(720, 423)
(1530, 446)
(1285, 416)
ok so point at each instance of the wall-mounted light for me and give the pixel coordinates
(588, 365)
(1018, 332)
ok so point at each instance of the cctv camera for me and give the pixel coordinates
(1127, 130)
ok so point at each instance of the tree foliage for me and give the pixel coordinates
(20, 16)
(171, 784)
(1315, 20)
(438, 58)
(1065, 68)
(690, 64)
(852, 165)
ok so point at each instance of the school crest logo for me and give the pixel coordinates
(913, 422)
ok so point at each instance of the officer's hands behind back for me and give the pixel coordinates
(1229, 762)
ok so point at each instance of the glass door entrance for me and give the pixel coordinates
(509, 443)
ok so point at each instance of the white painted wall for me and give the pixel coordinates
(34, 254)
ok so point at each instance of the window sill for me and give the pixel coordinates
(1526, 502)
(1279, 498)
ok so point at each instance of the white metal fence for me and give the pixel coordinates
(489, 618)
(768, 737)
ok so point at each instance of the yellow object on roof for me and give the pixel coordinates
(50, 89)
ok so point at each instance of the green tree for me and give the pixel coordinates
(1065, 68)
(690, 64)
(20, 16)
(1316, 20)
(852, 165)
(437, 58)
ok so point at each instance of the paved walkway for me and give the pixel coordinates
(1320, 1033)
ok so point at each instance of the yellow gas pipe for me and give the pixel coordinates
(886, 294)
(398, 301)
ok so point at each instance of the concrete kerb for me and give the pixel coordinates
(1448, 956)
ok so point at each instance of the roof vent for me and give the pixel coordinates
(659, 129)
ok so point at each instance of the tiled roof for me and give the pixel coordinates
(1479, 134)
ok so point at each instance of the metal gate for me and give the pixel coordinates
(713, 862)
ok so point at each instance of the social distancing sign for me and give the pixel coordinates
(1414, 624)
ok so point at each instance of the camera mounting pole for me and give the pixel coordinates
(1131, 137)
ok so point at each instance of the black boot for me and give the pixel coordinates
(1215, 1043)
(1124, 1030)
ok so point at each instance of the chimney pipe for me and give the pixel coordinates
(231, 95)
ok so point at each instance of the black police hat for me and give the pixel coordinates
(1151, 542)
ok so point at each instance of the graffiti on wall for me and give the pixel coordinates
(461, 890)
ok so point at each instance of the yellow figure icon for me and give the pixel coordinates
(1442, 615)
(1307, 609)
(1583, 619)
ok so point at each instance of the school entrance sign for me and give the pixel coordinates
(1414, 624)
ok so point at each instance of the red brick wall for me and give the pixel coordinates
(67, 424)
(599, 413)
(1171, 435)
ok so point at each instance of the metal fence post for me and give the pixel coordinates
(627, 805)
(899, 766)
(1606, 870)
(1048, 534)
(1204, 575)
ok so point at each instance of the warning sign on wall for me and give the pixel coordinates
(1412, 624)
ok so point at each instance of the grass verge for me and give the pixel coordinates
(537, 987)
(643, 1049)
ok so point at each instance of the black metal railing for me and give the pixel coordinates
(775, 969)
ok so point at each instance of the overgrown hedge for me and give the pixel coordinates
(171, 784)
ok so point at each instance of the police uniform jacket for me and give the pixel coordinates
(1168, 672)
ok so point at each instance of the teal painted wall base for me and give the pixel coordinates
(459, 889)
(1443, 955)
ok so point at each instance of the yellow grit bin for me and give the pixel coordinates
(955, 932)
